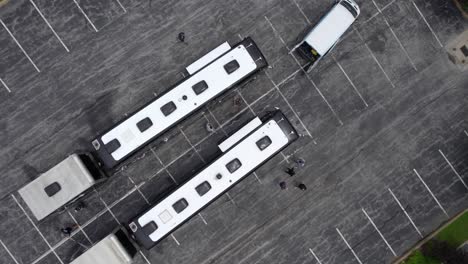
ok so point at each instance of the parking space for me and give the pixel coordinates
(382, 121)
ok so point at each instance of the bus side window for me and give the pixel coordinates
(233, 165)
(231, 66)
(203, 188)
(112, 145)
(180, 205)
(199, 87)
(144, 124)
(263, 143)
(149, 228)
(168, 108)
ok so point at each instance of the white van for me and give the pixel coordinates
(324, 36)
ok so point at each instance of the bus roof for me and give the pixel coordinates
(71, 178)
(330, 29)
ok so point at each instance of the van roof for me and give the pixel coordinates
(330, 29)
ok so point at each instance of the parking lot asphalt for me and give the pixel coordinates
(382, 118)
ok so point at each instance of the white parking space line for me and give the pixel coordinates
(466, 133)
(374, 57)
(290, 106)
(230, 198)
(175, 239)
(347, 244)
(202, 218)
(49, 25)
(5, 85)
(315, 256)
(350, 81)
(107, 206)
(256, 176)
(276, 86)
(378, 12)
(406, 213)
(427, 23)
(191, 145)
(121, 6)
(80, 228)
(19, 45)
(35, 227)
(394, 35)
(9, 252)
(138, 189)
(323, 97)
(307, 76)
(429, 190)
(302, 12)
(164, 166)
(144, 257)
(453, 169)
(401, 45)
(378, 231)
(86, 16)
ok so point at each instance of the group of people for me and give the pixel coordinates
(291, 171)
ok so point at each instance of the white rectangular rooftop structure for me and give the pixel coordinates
(108, 251)
(236, 137)
(58, 186)
(207, 58)
(330, 29)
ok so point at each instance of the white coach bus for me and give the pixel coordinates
(209, 77)
(243, 152)
(326, 34)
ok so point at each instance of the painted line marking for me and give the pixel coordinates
(406, 213)
(277, 88)
(302, 12)
(19, 45)
(375, 58)
(121, 6)
(347, 244)
(203, 219)
(85, 15)
(256, 177)
(6, 86)
(107, 207)
(37, 229)
(466, 133)
(191, 145)
(453, 169)
(144, 257)
(315, 256)
(173, 237)
(378, 231)
(80, 227)
(401, 45)
(326, 101)
(307, 76)
(427, 23)
(351, 82)
(9, 252)
(49, 25)
(164, 166)
(290, 106)
(429, 190)
(230, 198)
(394, 35)
(138, 189)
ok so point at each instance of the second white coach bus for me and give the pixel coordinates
(243, 152)
(209, 77)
